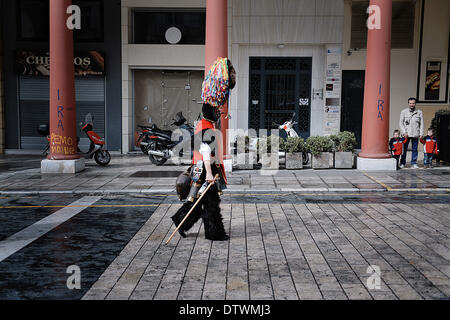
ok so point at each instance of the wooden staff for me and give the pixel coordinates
(192, 209)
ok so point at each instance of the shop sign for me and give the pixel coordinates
(333, 88)
(37, 63)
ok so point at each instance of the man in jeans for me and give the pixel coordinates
(411, 126)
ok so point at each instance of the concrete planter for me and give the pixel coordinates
(294, 161)
(270, 162)
(322, 161)
(343, 160)
(244, 161)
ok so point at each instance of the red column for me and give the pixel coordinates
(375, 131)
(63, 127)
(216, 45)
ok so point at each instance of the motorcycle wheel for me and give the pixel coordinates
(102, 157)
(159, 161)
(144, 149)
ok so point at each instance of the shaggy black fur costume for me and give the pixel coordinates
(209, 211)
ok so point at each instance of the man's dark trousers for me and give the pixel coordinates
(415, 153)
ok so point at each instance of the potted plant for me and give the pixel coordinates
(344, 144)
(268, 150)
(294, 148)
(321, 149)
(244, 158)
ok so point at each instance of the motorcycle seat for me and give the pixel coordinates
(165, 132)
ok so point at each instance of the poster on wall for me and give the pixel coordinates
(433, 80)
(37, 63)
(334, 73)
(332, 119)
(333, 89)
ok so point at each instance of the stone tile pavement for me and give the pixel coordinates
(121, 176)
(289, 251)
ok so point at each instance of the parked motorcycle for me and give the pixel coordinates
(97, 148)
(288, 126)
(143, 140)
(160, 147)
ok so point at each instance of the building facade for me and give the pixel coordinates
(420, 37)
(2, 122)
(26, 61)
(300, 56)
(292, 56)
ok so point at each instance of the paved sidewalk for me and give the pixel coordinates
(293, 235)
(134, 174)
(288, 251)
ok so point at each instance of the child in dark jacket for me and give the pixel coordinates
(396, 145)
(430, 148)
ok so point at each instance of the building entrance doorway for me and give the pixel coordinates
(352, 102)
(279, 87)
(160, 95)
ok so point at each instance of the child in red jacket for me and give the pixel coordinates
(396, 145)
(430, 148)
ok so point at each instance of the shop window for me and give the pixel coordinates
(403, 18)
(34, 21)
(91, 21)
(169, 26)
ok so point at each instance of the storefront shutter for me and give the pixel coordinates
(34, 108)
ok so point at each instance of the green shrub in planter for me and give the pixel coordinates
(320, 148)
(269, 161)
(347, 141)
(294, 148)
(316, 145)
(343, 142)
(335, 139)
(293, 145)
(344, 145)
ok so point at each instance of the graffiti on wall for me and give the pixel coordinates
(61, 144)
(380, 104)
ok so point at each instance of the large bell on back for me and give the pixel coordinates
(183, 185)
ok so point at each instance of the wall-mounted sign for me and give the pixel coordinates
(433, 80)
(333, 88)
(303, 102)
(334, 73)
(37, 63)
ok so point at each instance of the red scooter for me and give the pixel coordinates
(97, 148)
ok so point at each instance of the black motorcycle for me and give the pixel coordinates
(160, 144)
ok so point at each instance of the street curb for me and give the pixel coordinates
(243, 191)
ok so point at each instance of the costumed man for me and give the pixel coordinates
(205, 166)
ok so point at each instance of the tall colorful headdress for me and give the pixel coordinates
(216, 87)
